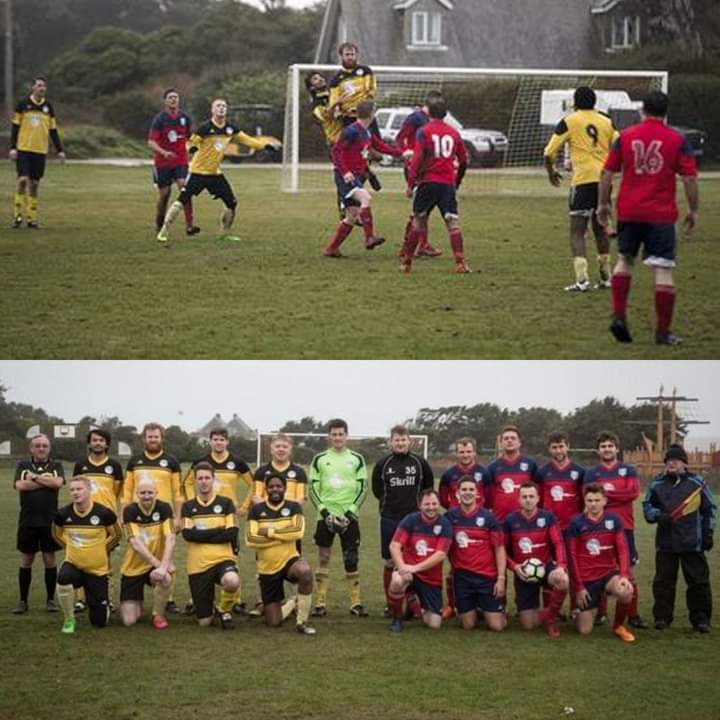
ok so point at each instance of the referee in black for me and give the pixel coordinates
(38, 480)
(398, 480)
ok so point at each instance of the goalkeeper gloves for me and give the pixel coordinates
(350, 515)
(330, 522)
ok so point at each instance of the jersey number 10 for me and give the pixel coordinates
(444, 145)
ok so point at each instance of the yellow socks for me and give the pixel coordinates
(19, 205)
(160, 599)
(32, 207)
(353, 580)
(303, 608)
(581, 269)
(66, 598)
(226, 601)
(321, 586)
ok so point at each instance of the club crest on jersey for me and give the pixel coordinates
(231, 465)
(524, 467)
(94, 520)
(46, 109)
(182, 121)
(462, 539)
(172, 136)
(217, 509)
(622, 472)
(507, 485)
(525, 544)
(556, 493)
(421, 548)
(593, 546)
(292, 474)
(541, 522)
(437, 529)
(574, 475)
(480, 522)
(163, 463)
(108, 470)
(156, 516)
(218, 145)
(359, 72)
(609, 524)
(35, 122)
(285, 512)
(229, 130)
(477, 477)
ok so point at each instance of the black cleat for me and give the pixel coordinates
(373, 242)
(319, 611)
(702, 628)
(667, 338)
(240, 609)
(305, 629)
(51, 606)
(358, 611)
(79, 606)
(662, 624)
(17, 222)
(189, 609)
(638, 623)
(33, 225)
(21, 608)
(192, 230)
(619, 328)
(226, 621)
(172, 607)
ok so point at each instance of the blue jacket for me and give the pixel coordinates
(686, 533)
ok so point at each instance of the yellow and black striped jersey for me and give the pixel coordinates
(87, 536)
(211, 532)
(208, 144)
(230, 470)
(294, 476)
(33, 124)
(164, 469)
(589, 134)
(106, 478)
(331, 125)
(152, 527)
(285, 525)
(357, 84)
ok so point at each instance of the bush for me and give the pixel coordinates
(131, 113)
(695, 102)
(89, 141)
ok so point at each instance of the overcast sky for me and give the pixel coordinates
(371, 395)
(289, 3)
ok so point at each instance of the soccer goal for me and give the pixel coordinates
(505, 117)
(307, 445)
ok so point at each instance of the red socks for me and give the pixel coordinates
(620, 291)
(366, 219)
(395, 603)
(456, 243)
(412, 238)
(343, 230)
(664, 304)
(621, 614)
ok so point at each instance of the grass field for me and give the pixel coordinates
(95, 284)
(353, 668)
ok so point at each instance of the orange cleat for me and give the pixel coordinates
(428, 251)
(553, 631)
(461, 267)
(159, 622)
(332, 252)
(448, 613)
(624, 634)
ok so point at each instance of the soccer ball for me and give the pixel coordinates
(534, 569)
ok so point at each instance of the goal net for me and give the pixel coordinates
(307, 445)
(505, 117)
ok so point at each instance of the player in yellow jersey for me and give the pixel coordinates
(87, 530)
(149, 557)
(207, 145)
(322, 111)
(281, 464)
(589, 135)
(211, 531)
(273, 530)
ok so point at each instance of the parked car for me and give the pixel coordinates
(252, 119)
(484, 147)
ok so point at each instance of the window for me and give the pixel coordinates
(426, 28)
(625, 32)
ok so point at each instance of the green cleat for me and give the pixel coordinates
(162, 236)
(69, 626)
(227, 237)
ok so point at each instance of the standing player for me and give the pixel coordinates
(38, 480)
(437, 168)
(207, 145)
(649, 155)
(231, 471)
(534, 533)
(621, 486)
(507, 473)
(351, 86)
(211, 531)
(275, 527)
(589, 134)
(478, 559)
(338, 485)
(599, 562)
(148, 526)
(281, 465)
(350, 160)
(168, 135)
(398, 480)
(418, 548)
(88, 530)
(32, 125)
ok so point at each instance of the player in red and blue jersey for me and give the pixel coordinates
(621, 484)
(438, 166)
(350, 157)
(534, 533)
(599, 562)
(478, 559)
(418, 548)
(649, 155)
(507, 473)
(168, 137)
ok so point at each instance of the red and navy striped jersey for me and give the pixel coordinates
(622, 488)
(475, 538)
(502, 484)
(405, 138)
(449, 481)
(350, 152)
(439, 156)
(170, 131)
(597, 547)
(420, 539)
(535, 537)
(561, 490)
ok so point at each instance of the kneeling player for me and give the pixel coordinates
(148, 559)
(273, 530)
(87, 530)
(418, 548)
(533, 533)
(478, 559)
(210, 528)
(599, 562)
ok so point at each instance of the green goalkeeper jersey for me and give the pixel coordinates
(338, 481)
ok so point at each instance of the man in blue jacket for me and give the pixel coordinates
(684, 509)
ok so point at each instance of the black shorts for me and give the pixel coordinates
(349, 539)
(475, 592)
(658, 242)
(132, 587)
(97, 591)
(634, 558)
(33, 539)
(430, 596)
(597, 587)
(388, 526)
(527, 594)
(440, 195)
(272, 586)
(216, 185)
(166, 176)
(30, 164)
(202, 587)
(583, 199)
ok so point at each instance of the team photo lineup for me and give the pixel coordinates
(649, 156)
(557, 530)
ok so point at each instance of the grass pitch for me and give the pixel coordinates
(354, 668)
(94, 283)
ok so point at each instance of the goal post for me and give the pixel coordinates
(505, 116)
